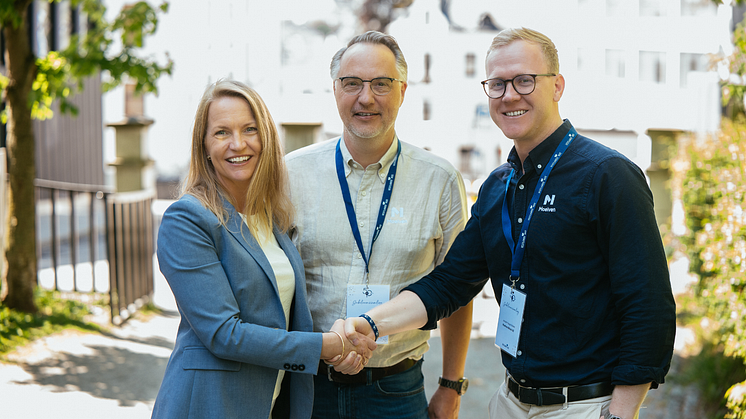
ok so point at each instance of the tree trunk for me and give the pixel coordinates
(21, 252)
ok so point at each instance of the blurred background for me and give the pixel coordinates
(662, 81)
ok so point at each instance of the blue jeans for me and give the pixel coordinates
(399, 396)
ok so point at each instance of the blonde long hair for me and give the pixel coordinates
(267, 199)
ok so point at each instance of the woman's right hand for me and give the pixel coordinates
(355, 357)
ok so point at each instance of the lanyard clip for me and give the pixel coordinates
(517, 278)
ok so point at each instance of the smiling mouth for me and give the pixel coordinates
(515, 113)
(239, 159)
(365, 114)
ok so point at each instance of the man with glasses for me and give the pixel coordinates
(567, 233)
(373, 215)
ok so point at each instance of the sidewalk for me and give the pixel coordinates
(82, 375)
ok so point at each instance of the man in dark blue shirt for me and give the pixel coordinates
(567, 233)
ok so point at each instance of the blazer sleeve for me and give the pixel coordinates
(189, 254)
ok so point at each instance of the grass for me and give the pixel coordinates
(55, 314)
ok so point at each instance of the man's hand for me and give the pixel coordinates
(357, 327)
(626, 400)
(444, 404)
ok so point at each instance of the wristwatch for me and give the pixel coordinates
(610, 415)
(460, 386)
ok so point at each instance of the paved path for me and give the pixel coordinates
(87, 375)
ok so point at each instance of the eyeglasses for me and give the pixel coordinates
(523, 84)
(354, 85)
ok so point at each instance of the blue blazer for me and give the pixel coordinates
(232, 339)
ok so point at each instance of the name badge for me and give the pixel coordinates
(361, 298)
(511, 318)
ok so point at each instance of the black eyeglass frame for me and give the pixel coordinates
(362, 85)
(534, 76)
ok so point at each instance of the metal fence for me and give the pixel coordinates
(90, 239)
(130, 243)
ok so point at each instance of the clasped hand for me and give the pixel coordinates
(357, 349)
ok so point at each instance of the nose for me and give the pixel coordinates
(366, 95)
(237, 141)
(510, 93)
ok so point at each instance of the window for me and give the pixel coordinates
(40, 27)
(470, 63)
(652, 8)
(615, 63)
(698, 8)
(614, 8)
(74, 20)
(482, 118)
(653, 66)
(426, 79)
(584, 63)
(691, 63)
(426, 110)
(53, 39)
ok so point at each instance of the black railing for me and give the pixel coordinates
(83, 223)
(130, 243)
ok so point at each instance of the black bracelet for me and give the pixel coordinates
(371, 323)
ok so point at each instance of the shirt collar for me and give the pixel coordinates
(383, 164)
(539, 157)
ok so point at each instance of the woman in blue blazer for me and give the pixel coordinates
(245, 346)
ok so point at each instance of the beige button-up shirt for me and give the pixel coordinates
(426, 212)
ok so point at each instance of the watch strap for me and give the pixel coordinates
(458, 386)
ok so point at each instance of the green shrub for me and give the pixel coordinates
(709, 177)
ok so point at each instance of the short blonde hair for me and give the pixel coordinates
(508, 36)
(267, 199)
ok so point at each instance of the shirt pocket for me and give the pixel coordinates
(195, 358)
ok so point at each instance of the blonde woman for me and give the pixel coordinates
(245, 346)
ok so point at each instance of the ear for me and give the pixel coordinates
(559, 87)
(403, 90)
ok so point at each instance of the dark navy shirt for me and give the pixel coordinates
(599, 305)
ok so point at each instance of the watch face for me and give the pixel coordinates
(464, 386)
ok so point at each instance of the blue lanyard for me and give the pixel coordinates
(517, 251)
(351, 209)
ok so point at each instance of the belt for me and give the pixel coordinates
(556, 395)
(362, 377)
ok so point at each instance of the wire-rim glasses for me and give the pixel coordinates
(354, 85)
(523, 84)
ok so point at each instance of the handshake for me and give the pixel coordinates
(358, 344)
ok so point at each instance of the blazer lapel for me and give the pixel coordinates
(292, 254)
(240, 231)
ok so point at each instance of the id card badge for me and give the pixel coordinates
(511, 318)
(361, 298)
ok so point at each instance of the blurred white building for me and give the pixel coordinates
(633, 68)
(637, 71)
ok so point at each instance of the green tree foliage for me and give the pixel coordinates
(710, 179)
(30, 86)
